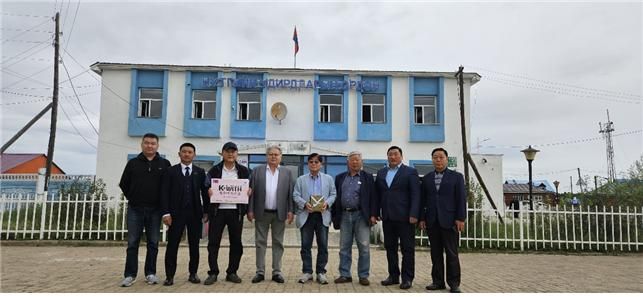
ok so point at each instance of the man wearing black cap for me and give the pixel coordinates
(222, 214)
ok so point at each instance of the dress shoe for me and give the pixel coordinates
(455, 289)
(390, 281)
(364, 281)
(343, 280)
(434, 286)
(278, 278)
(405, 285)
(233, 278)
(194, 278)
(258, 278)
(168, 281)
(212, 278)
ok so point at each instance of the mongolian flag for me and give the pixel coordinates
(294, 38)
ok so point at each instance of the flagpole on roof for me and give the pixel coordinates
(296, 40)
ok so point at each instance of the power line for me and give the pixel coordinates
(25, 15)
(72, 124)
(44, 96)
(550, 89)
(4, 62)
(617, 93)
(28, 30)
(26, 102)
(72, 26)
(78, 99)
(24, 77)
(565, 142)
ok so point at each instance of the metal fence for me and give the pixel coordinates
(554, 228)
(85, 217)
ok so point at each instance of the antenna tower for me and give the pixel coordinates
(606, 129)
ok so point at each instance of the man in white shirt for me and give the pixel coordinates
(271, 204)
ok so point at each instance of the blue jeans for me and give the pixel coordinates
(139, 217)
(314, 227)
(354, 226)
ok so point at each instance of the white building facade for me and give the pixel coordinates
(330, 112)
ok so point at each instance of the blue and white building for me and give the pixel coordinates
(328, 111)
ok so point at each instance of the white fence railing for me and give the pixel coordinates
(554, 228)
(549, 228)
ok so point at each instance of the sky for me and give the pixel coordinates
(550, 71)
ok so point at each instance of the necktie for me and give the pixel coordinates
(187, 171)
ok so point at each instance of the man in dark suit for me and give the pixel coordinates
(226, 214)
(445, 207)
(397, 187)
(184, 201)
(354, 213)
(271, 204)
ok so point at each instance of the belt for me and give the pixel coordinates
(270, 210)
(351, 209)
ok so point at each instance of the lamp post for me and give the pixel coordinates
(556, 183)
(530, 155)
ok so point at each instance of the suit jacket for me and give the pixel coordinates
(285, 186)
(300, 197)
(402, 199)
(450, 202)
(216, 172)
(172, 191)
(366, 195)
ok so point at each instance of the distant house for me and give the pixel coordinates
(517, 191)
(25, 164)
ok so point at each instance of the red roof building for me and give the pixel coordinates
(25, 163)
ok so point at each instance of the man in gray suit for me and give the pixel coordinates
(271, 204)
(312, 221)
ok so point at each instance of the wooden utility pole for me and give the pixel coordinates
(465, 151)
(25, 128)
(54, 107)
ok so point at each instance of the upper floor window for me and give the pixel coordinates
(204, 104)
(330, 108)
(373, 108)
(425, 110)
(249, 106)
(150, 102)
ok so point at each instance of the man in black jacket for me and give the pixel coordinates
(354, 213)
(225, 214)
(141, 183)
(184, 200)
(445, 210)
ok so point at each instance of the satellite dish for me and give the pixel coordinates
(279, 111)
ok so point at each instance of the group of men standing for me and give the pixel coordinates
(353, 202)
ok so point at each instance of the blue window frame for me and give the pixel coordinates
(426, 109)
(374, 116)
(148, 102)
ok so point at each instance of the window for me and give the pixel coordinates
(150, 103)
(204, 104)
(425, 111)
(330, 108)
(249, 106)
(373, 108)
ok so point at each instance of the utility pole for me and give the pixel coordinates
(571, 185)
(54, 107)
(606, 129)
(25, 128)
(580, 181)
(460, 75)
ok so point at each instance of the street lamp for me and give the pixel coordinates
(556, 183)
(530, 155)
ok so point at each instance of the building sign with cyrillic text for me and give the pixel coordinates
(323, 85)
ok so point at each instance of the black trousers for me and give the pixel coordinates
(174, 233)
(405, 233)
(232, 219)
(444, 241)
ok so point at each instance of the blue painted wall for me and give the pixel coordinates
(330, 131)
(430, 87)
(209, 128)
(138, 126)
(248, 129)
(375, 131)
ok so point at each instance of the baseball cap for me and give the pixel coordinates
(229, 146)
